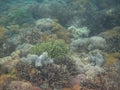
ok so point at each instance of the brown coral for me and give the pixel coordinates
(21, 85)
(56, 76)
(5, 80)
(76, 87)
(113, 39)
(2, 31)
(34, 36)
(25, 71)
(69, 63)
(111, 58)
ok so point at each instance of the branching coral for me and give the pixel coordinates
(113, 39)
(32, 37)
(53, 76)
(51, 27)
(21, 85)
(23, 70)
(55, 48)
(6, 46)
(68, 62)
(2, 34)
(111, 58)
(2, 30)
(27, 72)
(56, 76)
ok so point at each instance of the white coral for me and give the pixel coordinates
(97, 42)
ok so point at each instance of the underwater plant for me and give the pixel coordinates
(55, 48)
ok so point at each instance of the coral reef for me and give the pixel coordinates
(7, 48)
(85, 68)
(27, 72)
(97, 42)
(96, 58)
(56, 76)
(43, 60)
(38, 61)
(7, 63)
(47, 9)
(68, 62)
(20, 15)
(59, 45)
(5, 80)
(51, 27)
(79, 32)
(14, 29)
(112, 37)
(21, 85)
(32, 37)
(92, 71)
(2, 33)
(76, 87)
(111, 58)
(3, 38)
(23, 70)
(88, 44)
(53, 76)
(79, 44)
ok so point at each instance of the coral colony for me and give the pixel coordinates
(59, 45)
